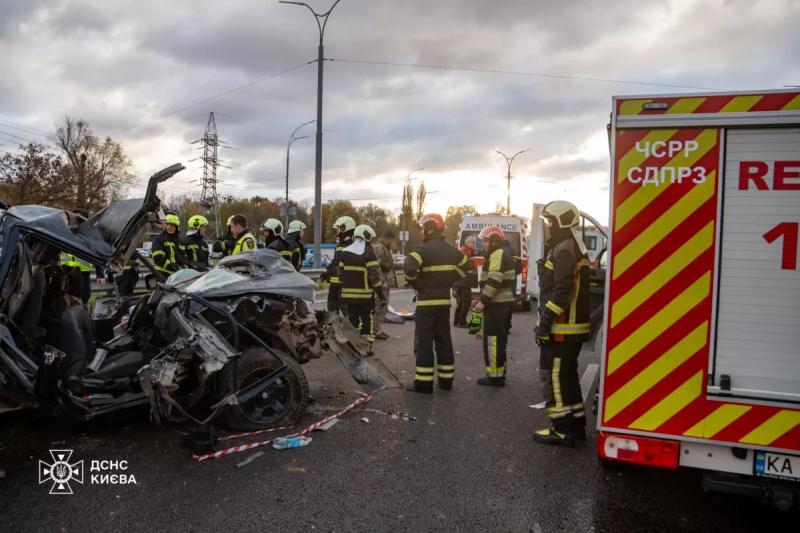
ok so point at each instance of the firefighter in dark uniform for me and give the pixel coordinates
(345, 227)
(195, 244)
(563, 325)
(273, 238)
(462, 290)
(360, 274)
(496, 299)
(167, 250)
(127, 280)
(294, 236)
(244, 240)
(432, 269)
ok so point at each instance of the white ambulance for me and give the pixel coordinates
(516, 230)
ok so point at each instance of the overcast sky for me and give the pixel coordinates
(147, 72)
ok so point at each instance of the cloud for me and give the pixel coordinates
(148, 73)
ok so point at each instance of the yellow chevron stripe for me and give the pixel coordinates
(685, 105)
(634, 158)
(773, 428)
(671, 404)
(659, 322)
(740, 104)
(633, 107)
(793, 105)
(656, 371)
(668, 221)
(722, 417)
(662, 274)
(645, 194)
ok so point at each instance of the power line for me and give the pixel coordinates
(216, 96)
(527, 74)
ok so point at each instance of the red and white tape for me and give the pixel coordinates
(251, 433)
(364, 398)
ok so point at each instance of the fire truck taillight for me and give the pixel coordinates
(646, 451)
(524, 271)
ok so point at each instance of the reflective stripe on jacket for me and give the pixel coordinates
(564, 291)
(280, 245)
(498, 277)
(359, 274)
(433, 268)
(167, 253)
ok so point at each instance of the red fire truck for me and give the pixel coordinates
(701, 364)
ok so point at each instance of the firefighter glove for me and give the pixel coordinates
(475, 323)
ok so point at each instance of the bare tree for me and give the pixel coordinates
(96, 171)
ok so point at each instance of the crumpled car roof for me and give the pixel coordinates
(258, 271)
(54, 223)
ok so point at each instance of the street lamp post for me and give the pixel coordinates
(510, 160)
(292, 139)
(318, 165)
(405, 212)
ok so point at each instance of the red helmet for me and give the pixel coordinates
(432, 218)
(492, 231)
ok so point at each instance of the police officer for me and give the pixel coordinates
(195, 245)
(273, 238)
(563, 324)
(496, 300)
(360, 277)
(167, 250)
(432, 269)
(244, 239)
(294, 236)
(345, 226)
(383, 251)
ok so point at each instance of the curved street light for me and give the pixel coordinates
(292, 138)
(510, 160)
(318, 164)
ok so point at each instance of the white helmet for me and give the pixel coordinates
(561, 214)
(365, 232)
(296, 226)
(344, 223)
(274, 225)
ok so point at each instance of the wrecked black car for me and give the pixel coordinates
(220, 347)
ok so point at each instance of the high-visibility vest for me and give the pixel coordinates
(69, 260)
(244, 243)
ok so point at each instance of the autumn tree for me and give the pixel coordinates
(31, 176)
(95, 171)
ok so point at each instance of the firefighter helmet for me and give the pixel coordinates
(344, 224)
(365, 232)
(561, 214)
(490, 233)
(296, 226)
(197, 221)
(172, 219)
(274, 225)
(434, 219)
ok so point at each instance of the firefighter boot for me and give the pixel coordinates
(551, 436)
(415, 387)
(492, 382)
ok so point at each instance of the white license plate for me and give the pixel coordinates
(776, 465)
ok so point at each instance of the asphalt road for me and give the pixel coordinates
(465, 462)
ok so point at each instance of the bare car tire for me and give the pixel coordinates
(282, 404)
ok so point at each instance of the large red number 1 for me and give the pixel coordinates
(790, 231)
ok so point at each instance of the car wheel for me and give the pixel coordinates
(282, 404)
